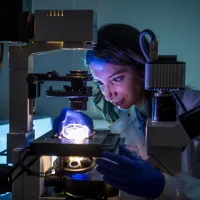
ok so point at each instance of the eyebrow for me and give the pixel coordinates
(118, 72)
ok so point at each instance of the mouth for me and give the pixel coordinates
(119, 103)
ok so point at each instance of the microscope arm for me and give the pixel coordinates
(20, 106)
(25, 87)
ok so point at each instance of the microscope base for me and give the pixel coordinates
(27, 187)
(165, 141)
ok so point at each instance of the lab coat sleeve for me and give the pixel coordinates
(180, 187)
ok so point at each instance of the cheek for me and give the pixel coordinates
(135, 88)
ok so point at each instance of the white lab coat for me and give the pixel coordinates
(178, 187)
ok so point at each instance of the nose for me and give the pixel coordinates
(109, 93)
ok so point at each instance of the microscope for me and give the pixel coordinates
(166, 133)
(72, 175)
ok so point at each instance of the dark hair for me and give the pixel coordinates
(116, 44)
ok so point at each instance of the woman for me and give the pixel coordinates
(117, 65)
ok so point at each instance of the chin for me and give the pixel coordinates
(124, 107)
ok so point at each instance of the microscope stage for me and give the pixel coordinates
(103, 140)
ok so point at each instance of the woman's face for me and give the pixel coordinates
(119, 84)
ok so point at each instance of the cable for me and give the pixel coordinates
(179, 102)
(23, 155)
(1, 55)
(141, 42)
(152, 155)
(161, 164)
(6, 172)
(18, 163)
(25, 168)
(22, 171)
(29, 171)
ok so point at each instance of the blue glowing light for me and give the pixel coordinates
(79, 177)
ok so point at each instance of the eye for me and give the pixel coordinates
(118, 79)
